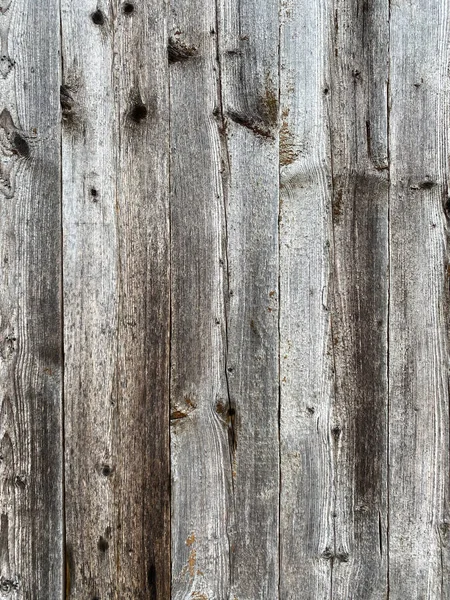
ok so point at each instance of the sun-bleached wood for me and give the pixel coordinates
(419, 287)
(248, 50)
(116, 300)
(306, 363)
(200, 453)
(31, 479)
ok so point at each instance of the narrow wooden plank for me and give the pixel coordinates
(358, 427)
(31, 523)
(306, 365)
(248, 49)
(200, 451)
(418, 365)
(116, 290)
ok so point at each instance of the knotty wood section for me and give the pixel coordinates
(116, 300)
(31, 523)
(359, 305)
(200, 446)
(418, 350)
(248, 50)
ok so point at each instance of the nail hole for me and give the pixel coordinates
(106, 470)
(138, 113)
(128, 8)
(97, 17)
(102, 544)
(94, 194)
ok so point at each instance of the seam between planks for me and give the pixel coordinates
(169, 218)
(65, 578)
(279, 303)
(388, 316)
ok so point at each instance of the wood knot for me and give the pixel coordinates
(178, 52)
(102, 544)
(138, 112)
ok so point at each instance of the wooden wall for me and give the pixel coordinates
(224, 300)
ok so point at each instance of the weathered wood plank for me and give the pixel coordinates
(418, 357)
(200, 452)
(306, 365)
(117, 309)
(31, 499)
(248, 49)
(358, 426)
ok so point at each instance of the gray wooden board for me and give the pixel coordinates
(418, 356)
(31, 520)
(358, 428)
(116, 292)
(306, 524)
(200, 454)
(248, 50)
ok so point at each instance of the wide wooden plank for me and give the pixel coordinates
(200, 417)
(358, 424)
(116, 291)
(306, 365)
(31, 500)
(418, 356)
(248, 49)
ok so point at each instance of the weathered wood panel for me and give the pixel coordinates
(248, 47)
(418, 350)
(31, 500)
(116, 290)
(200, 452)
(247, 208)
(358, 427)
(306, 365)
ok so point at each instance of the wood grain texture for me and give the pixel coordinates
(248, 48)
(358, 424)
(200, 447)
(31, 500)
(418, 358)
(306, 365)
(117, 309)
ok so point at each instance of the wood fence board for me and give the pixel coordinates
(358, 427)
(200, 458)
(418, 356)
(248, 50)
(31, 476)
(306, 523)
(117, 309)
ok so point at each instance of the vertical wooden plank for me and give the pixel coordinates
(117, 308)
(358, 427)
(200, 453)
(248, 48)
(419, 212)
(306, 365)
(31, 524)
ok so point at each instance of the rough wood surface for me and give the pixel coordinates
(306, 523)
(358, 426)
(248, 47)
(419, 285)
(116, 290)
(31, 520)
(200, 451)
(233, 218)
